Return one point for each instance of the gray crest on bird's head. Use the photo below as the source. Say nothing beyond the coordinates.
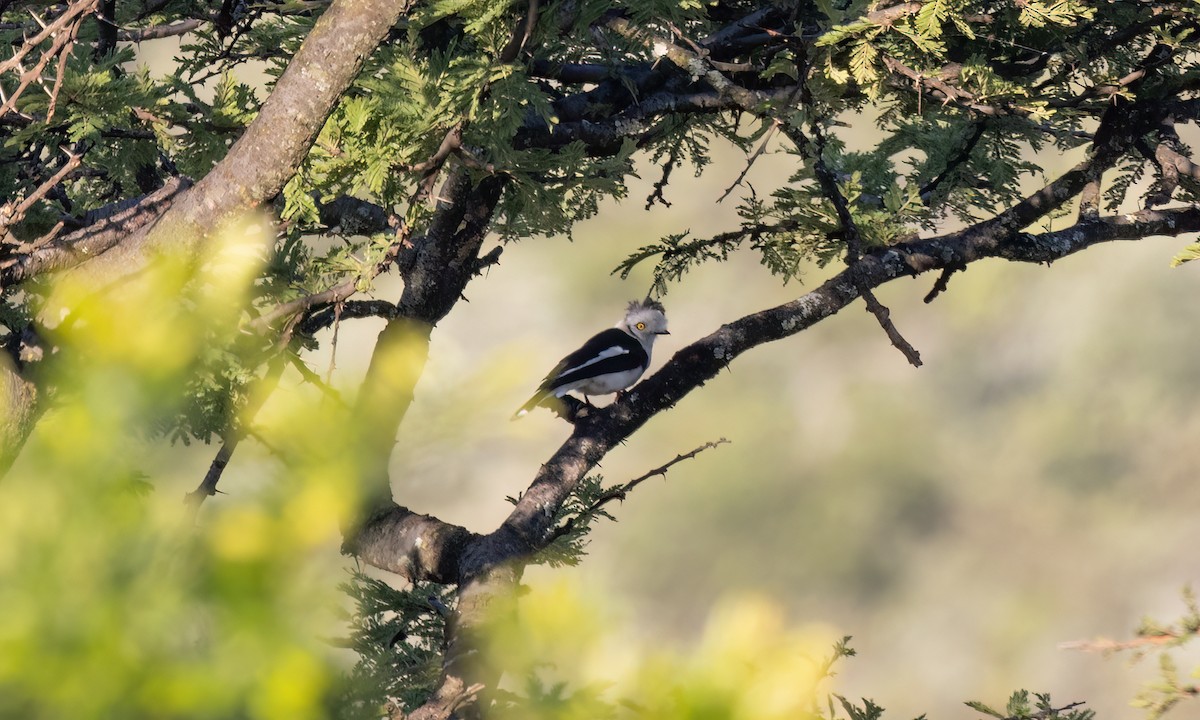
(644, 319)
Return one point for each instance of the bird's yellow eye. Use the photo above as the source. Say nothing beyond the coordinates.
(641, 326)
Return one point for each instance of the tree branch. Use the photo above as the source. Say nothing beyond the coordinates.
(156, 32)
(13, 212)
(436, 271)
(451, 696)
(273, 145)
(1107, 646)
(320, 318)
(105, 232)
(414, 546)
(235, 434)
(620, 492)
(815, 152)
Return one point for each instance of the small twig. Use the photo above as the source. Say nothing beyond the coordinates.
(155, 32)
(762, 146)
(433, 166)
(1107, 646)
(311, 377)
(14, 216)
(69, 21)
(1047, 713)
(883, 315)
(950, 93)
(960, 158)
(60, 70)
(943, 281)
(815, 150)
(333, 343)
(335, 294)
(691, 62)
(657, 194)
(620, 492)
(75, 11)
(208, 486)
(521, 35)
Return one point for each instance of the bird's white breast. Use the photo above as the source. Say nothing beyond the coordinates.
(603, 384)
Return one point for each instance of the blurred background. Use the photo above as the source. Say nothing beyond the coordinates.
(1033, 483)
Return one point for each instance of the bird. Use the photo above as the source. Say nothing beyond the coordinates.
(610, 361)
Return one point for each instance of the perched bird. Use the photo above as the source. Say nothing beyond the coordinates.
(609, 362)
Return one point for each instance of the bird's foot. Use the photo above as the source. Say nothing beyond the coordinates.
(568, 408)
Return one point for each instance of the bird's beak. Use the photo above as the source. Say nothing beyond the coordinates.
(663, 332)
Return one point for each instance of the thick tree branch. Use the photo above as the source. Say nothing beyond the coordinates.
(436, 271)
(414, 546)
(253, 172)
(272, 147)
(452, 696)
(323, 317)
(105, 232)
(23, 404)
(355, 216)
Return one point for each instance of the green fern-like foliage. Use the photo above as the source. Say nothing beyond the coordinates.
(398, 636)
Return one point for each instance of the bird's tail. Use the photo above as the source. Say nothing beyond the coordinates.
(530, 404)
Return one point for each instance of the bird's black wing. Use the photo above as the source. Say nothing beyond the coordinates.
(611, 351)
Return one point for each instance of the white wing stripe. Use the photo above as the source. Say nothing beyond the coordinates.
(605, 354)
